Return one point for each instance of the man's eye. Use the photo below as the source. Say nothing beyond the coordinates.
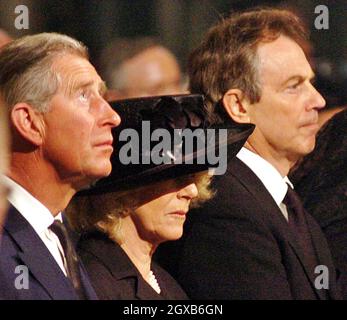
(294, 86)
(84, 96)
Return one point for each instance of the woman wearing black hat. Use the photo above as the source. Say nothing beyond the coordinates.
(125, 216)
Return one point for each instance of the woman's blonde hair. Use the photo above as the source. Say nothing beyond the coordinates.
(105, 211)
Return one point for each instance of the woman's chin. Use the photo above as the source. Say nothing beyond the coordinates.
(173, 235)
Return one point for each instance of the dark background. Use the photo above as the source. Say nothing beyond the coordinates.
(179, 24)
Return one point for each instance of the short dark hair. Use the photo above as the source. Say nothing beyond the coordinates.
(227, 57)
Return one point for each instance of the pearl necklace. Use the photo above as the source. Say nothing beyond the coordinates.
(153, 282)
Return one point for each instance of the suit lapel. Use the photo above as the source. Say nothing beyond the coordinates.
(117, 262)
(89, 290)
(272, 213)
(322, 250)
(35, 255)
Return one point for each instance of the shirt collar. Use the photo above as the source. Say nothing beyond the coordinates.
(39, 217)
(275, 184)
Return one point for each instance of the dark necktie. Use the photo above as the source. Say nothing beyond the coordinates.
(72, 261)
(298, 226)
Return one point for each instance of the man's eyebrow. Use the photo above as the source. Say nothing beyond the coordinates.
(299, 78)
(84, 84)
(294, 78)
(77, 85)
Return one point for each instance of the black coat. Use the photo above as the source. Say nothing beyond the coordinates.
(321, 181)
(238, 246)
(21, 246)
(115, 277)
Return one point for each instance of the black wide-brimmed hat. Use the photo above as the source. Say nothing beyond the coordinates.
(165, 137)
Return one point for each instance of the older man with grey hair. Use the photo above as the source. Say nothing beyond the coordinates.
(61, 142)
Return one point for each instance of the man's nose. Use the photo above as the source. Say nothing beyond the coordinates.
(318, 102)
(111, 117)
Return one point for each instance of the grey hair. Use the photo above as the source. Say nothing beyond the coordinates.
(26, 73)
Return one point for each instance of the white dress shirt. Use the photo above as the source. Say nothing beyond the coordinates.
(274, 183)
(39, 217)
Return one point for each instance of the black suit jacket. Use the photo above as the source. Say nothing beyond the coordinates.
(321, 181)
(21, 246)
(238, 246)
(115, 277)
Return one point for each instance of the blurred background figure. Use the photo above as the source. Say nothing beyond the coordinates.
(3, 160)
(4, 37)
(321, 181)
(139, 67)
(331, 81)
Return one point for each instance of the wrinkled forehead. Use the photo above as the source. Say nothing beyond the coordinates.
(75, 71)
(281, 59)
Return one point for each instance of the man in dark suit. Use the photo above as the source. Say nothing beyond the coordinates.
(254, 240)
(61, 142)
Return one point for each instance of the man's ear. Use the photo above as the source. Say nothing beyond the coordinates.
(28, 123)
(236, 105)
